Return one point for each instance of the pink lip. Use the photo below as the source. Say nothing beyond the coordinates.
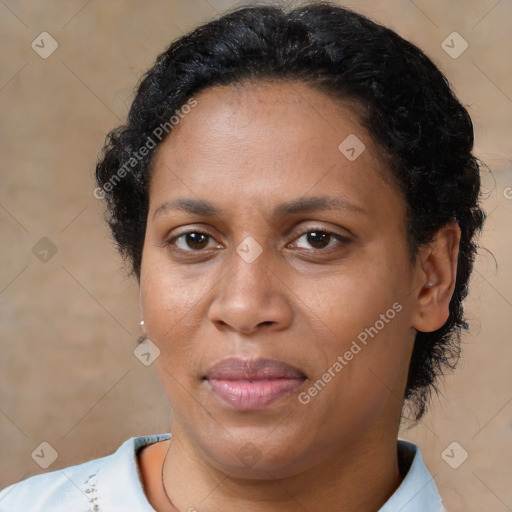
(253, 384)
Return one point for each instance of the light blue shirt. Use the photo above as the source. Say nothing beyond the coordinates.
(112, 484)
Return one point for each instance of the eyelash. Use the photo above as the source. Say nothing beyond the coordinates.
(341, 239)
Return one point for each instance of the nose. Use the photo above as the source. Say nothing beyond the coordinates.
(251, 297)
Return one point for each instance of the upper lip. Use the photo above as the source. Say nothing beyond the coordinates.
(236, 368)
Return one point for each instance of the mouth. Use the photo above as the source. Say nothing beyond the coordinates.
(253, 384)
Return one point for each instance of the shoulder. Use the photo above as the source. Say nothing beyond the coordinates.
(64, 489)
(80, 487)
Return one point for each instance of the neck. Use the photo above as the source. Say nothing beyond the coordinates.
(360, 477)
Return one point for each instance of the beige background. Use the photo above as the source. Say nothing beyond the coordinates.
(69, 325)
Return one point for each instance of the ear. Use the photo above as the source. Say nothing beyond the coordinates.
(435, 282)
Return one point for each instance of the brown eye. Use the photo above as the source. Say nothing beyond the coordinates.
(319, 239)
(191, 241)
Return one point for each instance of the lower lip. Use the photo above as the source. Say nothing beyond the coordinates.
(246, 395)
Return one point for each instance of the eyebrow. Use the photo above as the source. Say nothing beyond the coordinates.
(295, 206)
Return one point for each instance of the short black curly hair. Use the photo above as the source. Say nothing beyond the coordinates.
(404, 100)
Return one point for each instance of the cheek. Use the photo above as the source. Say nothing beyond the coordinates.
(366, 327)
(362, 312)
(354, 296)
(173, 308)
(173, 304)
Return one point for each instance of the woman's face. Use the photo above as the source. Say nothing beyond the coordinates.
(260, 173)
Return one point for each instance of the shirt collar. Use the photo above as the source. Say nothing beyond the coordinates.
(418, 491)
(118, 482)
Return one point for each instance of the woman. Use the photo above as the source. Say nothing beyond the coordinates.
(296, 194)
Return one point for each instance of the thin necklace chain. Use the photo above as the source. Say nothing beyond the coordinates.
(174, 508)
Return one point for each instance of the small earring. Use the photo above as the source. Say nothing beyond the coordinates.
(429, 284)
(142, 338)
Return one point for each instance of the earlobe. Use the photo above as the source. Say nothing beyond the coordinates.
(437, 272)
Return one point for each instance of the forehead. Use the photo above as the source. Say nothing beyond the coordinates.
(261, 140)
